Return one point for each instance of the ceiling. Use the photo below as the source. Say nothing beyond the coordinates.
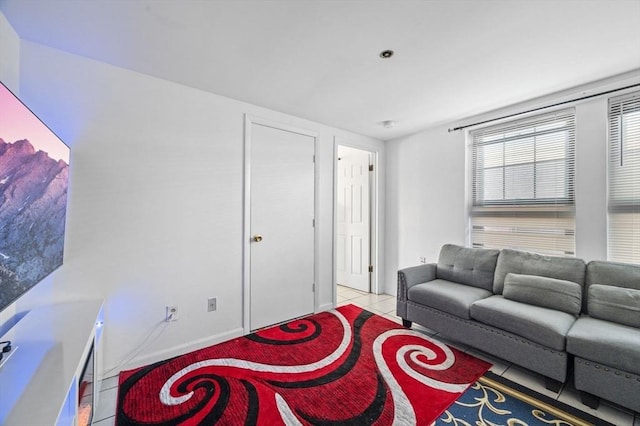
(320, 59)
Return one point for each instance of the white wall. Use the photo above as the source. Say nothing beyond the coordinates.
(591, 179)
(425, 198)
(427, 182)
(9, 75)
(9, 55)
(156, 202)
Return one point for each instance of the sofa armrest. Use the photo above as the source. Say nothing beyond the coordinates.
(409, 277)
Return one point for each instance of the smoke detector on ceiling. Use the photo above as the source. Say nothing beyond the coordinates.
(386, 54)
(388, 124)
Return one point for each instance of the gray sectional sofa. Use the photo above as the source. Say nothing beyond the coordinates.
(605, 341)
(544, 313)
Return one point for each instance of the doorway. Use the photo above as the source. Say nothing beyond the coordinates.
(354, 218)
(279, 223)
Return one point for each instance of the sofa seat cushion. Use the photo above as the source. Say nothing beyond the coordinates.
(452, 298)
(605, 342)
(545, 326)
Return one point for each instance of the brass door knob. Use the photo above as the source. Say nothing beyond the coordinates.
(257, 238)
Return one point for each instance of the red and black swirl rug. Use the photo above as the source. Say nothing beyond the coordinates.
(347, 366)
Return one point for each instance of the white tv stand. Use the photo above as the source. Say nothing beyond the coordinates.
(39, 379)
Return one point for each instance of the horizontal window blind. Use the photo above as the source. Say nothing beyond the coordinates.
(522, 185)
(624, 179)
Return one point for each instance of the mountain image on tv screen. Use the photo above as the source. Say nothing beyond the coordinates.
(34, 171)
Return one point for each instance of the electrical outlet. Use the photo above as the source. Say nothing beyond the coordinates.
(211, 304)
(172, 313)
(423, 260)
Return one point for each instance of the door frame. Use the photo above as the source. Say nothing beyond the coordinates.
(374, 211)
(250, 120)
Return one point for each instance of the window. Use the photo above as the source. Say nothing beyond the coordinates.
(624, 179)
(522, 186)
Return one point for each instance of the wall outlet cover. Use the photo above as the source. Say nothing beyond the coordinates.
(212, 304)
(171, 313)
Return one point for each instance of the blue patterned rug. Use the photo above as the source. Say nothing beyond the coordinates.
(494, 400)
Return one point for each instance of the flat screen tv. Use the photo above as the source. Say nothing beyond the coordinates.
(34, 171)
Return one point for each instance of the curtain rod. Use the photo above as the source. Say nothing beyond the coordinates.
(455, 129)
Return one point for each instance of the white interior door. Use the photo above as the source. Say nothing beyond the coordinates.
(281, 225)
(353, 218)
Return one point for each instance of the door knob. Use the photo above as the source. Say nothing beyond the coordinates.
(257, 238)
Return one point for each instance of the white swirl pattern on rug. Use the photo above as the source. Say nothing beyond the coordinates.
(168, 399)
(286, 414)
(403, 412)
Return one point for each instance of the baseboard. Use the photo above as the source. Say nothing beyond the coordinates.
(326, 307)
(182, 349)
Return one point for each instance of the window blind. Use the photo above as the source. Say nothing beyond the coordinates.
(624, 179)
(522, 184)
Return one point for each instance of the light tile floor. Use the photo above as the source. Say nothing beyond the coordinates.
(384, 304)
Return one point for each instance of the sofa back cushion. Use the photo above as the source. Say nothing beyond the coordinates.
(611, 273)
(616, 304)
(470, 266)
(560, 295)
(521, 262)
